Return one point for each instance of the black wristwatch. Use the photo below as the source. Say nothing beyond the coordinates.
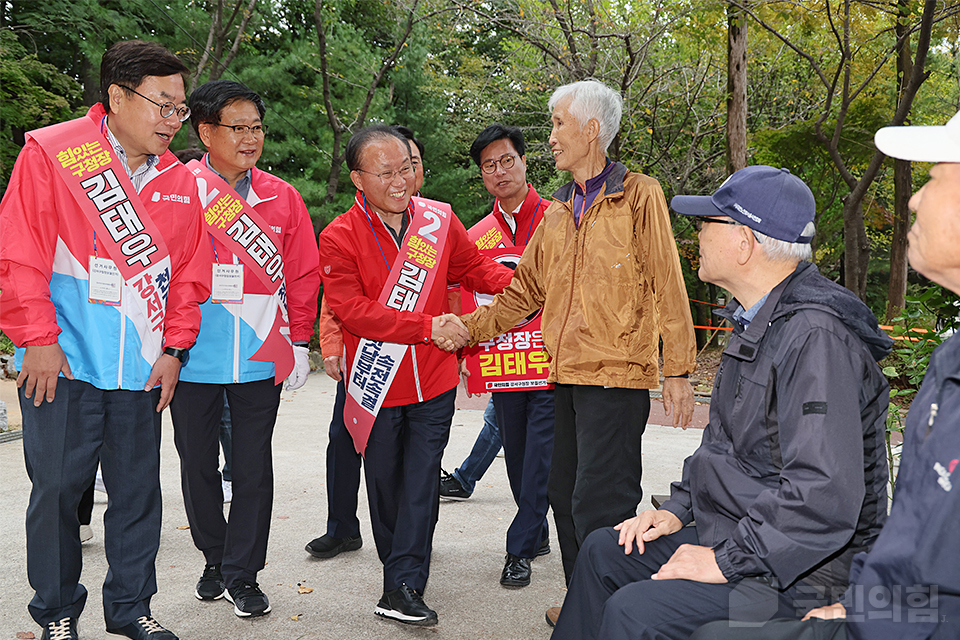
(180, 354)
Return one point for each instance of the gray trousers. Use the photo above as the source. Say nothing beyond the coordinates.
(62, 441)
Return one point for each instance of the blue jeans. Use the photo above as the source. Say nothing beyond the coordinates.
(485, 449)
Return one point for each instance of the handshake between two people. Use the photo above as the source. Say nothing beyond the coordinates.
(449, 333)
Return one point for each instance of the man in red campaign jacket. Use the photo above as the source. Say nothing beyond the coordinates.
(391, 309)
(102, 271)
(523, 419)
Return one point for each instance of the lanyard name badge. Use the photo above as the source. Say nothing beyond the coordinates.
(105, 282)
(227, 284)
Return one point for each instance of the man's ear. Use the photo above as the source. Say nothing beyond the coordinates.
(592, 129)
(115, 96)
(355, 178)
(204, 130)
(747, 246)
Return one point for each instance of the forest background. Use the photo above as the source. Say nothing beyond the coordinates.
(708, 87)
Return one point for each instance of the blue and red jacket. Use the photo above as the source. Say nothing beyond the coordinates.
(44, 257)
(231, 333)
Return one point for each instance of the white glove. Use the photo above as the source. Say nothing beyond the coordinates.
(301, 368)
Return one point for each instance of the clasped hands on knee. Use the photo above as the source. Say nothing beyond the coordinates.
(449, 333)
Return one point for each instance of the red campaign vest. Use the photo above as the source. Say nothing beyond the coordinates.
(413, 275)
(123, 228)
(515, 360)
(231, 220)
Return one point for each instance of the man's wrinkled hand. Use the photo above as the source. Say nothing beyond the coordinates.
(646, 527)
(331, 365)
(678, 400)
(691, 562)
(449, 333)
(39, 371)
(166, 373)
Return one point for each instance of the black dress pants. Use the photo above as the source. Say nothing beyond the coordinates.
(402, 467)
(612, 596)
(525, 419)
(595, 472)
(239, 544)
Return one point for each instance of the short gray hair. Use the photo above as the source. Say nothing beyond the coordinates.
(781, 251)
(592, 99)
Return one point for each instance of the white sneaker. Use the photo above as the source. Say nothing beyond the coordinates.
(86, 533)
(227, 490)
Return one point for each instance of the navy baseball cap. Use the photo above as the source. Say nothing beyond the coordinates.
(772, 201)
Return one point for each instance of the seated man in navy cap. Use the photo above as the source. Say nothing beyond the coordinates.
(908, 586)
(790, 480)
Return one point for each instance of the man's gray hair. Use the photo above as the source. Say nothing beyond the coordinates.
(781, 251)
(592, 99)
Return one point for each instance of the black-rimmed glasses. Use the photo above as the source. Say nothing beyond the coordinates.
(701, 220)
(167, 109)
(506, 161)
(386, 177)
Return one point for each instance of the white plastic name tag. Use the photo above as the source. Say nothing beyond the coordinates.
(227, 283)
(105, 282)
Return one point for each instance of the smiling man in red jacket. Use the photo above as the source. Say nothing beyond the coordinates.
(379, 263)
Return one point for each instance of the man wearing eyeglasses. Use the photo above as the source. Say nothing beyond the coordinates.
(385, 264)
(102, 270)
(790, 480)
(254, 334)
(524, 419)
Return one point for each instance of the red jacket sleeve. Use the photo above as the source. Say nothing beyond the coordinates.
(29, 226)
(191, 256)
(301, 264)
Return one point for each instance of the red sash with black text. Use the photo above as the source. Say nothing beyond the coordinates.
(98, 181)
(236, 225)
(412, 277)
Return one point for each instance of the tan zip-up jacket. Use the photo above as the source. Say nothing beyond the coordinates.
(609, 289)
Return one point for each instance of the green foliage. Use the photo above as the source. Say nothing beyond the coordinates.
(6, 344)
(918, 332)
(33, 94)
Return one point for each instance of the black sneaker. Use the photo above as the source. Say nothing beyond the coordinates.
(450, 487)
(407, 606)
(326, 546)
(247, 599)
(63, 629)
(211, 585)
(144, 628)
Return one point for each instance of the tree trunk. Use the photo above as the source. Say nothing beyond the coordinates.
(736, 88)
(897, 288)
(856, 247)
(90, 77)
(902, 182)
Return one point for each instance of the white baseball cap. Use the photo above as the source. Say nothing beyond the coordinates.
(922, 143)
